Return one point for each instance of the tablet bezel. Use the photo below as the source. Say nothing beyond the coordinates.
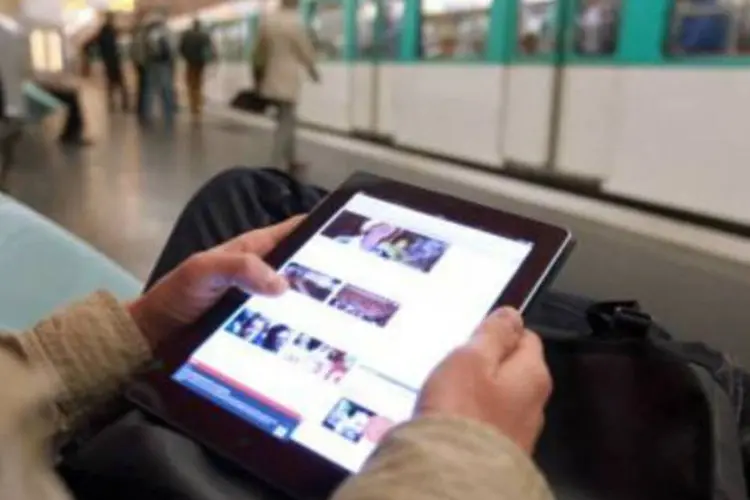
(286, 465)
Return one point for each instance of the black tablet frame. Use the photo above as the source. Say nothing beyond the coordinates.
(286, 465)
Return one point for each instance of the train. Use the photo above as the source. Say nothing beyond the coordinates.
(638, 100)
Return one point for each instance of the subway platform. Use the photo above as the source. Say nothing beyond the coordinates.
(124, 193)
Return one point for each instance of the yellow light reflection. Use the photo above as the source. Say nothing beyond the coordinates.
(38, 50)
(54, 52)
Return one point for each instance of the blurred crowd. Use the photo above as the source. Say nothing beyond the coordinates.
(153, 52)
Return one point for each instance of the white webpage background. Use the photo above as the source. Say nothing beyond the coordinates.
(438, 311)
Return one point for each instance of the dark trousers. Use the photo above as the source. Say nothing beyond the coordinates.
(141, 91)
(73, 128)
(116, 85)
(232, 203)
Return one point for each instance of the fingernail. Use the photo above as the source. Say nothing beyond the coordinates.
(507, 312)
(275, 283)
(512, 315)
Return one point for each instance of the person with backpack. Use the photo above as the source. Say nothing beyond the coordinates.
(160, 65)
(69, 367)
(198, 51)
(138, 55)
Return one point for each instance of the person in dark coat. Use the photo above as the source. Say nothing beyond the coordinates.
(198, 51)
(109, 51)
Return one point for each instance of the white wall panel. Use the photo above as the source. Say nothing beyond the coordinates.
(529, 108)
(590, 120)
(364, 113)
(328, 103)
(685, 141)
(388, 78)
(373, 97)
(450, 109)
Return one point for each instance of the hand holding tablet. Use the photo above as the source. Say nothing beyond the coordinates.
(384, 280)
(504, 365)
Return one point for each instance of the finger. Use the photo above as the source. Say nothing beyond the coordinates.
(498, 335)
(527, 363)
(262, 241)
(246, 271)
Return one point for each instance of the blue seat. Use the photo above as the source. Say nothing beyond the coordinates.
(43, 267)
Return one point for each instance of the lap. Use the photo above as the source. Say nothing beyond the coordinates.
(235, 201)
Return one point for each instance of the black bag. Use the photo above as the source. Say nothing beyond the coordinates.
(634, 415)
(250, 101)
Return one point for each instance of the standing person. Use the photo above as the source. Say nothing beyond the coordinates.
(197, 50)
(109, 50)
(138, 54)
(282, 48)
(160, 59)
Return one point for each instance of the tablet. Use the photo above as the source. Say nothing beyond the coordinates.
(385, 280)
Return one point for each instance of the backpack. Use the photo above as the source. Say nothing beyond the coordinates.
(158, 47)
(635, 414)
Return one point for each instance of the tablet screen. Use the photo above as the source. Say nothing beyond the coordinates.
(377, 299)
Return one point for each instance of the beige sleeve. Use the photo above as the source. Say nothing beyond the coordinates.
(86, 351)
(443, 458)
(305, 49)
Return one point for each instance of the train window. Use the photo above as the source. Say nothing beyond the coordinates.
(536, 26)
(327, 26)
(379, 27)
(597, 26)
(452, 31)
(709, 27)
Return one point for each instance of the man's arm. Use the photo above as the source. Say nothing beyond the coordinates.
(306, 52)
(86, 351)
(444, 458)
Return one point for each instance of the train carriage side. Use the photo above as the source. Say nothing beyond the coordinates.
(331, 26)
(652, 101)
(683, 98)
(645, 99)
(445, 95)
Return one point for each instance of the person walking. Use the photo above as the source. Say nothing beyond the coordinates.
(282, 48)
(198, 50)
(160, 59)
(109, 50)
(138, 54)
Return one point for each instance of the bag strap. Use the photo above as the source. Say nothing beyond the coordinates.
(619, 320)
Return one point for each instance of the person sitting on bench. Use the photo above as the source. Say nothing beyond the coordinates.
(66, 90)
(474, 444)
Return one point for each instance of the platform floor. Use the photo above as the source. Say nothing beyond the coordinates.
(124, 193)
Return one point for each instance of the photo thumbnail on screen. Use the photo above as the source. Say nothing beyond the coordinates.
(367, 306)
(318, 358)
(386, 240)
(247, 324)
(259, 330)
(314, 284)
(314, 356)
(354, 422)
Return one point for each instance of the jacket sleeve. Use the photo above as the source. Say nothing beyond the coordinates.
(86, 351)
(443, 458)
(305, 49)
